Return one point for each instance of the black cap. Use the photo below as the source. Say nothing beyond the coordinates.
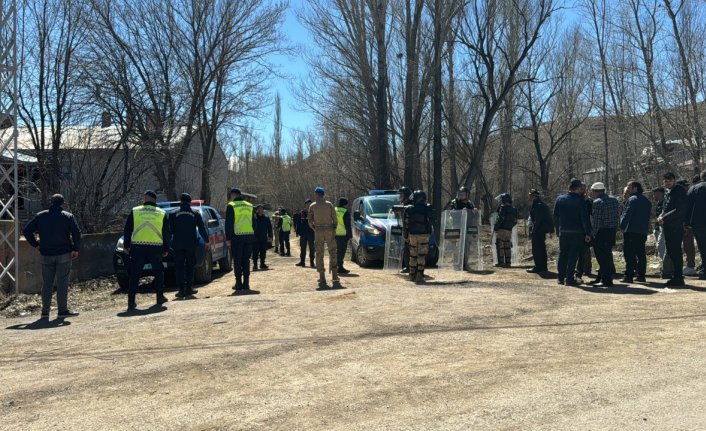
(342, 202)
(57, 199)
(669, 176)
(185, 197)
(235, 191)
(575, 183)
(658, 190)
(151, 194)
(534, 192)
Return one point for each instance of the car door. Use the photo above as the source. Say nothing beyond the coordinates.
(215, 230)
(356, 225)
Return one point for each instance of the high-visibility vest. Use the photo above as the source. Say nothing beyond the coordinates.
(341, 227)
(147, 221)
(242, 217)
(286, 223)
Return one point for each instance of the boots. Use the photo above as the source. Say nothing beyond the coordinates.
(301, 263)
(334, 275)
(131, 304)
(412, 274)
(254, 266)
(246, 282)
(322, 280)
(238, 282)
(312, 264)
(263, 266)
(189, 290)
(342, 270)
(420, 277)
(161, 299)
(181, 293)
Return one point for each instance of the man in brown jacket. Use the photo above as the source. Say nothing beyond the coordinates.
(323, 220)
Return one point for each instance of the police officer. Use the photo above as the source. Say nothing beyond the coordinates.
(147, 237)
(541, 225)
(405, 200)
(343, 232)
(506, 221)
(240, 236)
(285, 229)
(306, 236)
(263, 234)
(416, 229)
(186, 226)
(672, 222)
(323, 220)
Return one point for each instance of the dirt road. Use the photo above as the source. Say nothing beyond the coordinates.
(466, 351)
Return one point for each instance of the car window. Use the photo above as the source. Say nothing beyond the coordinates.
(213, 215)
(379, 207)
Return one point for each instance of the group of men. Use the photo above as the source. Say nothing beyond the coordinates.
(582, 223)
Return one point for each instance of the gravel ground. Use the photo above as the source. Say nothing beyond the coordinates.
(502, 350)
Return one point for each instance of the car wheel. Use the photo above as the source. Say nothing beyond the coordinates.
(225, 264)
(123, 282)
(362, 260)
(204, 272)
(354, 255)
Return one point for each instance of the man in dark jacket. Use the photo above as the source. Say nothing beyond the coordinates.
(635, 223)
(306, 236)
(574, 229)
(541, 218)
(343, 233)
(146, 240)
(696, 218)
(187, 226)
(507, 219)
(672, 222)
(59, 242)
(263, 234)
(416, 228)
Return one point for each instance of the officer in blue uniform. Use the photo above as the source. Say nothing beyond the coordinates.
(186, 225)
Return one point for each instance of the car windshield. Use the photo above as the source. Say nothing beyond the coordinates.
(379, 207)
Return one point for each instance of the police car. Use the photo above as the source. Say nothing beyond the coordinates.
(370, 224)
(217, 252)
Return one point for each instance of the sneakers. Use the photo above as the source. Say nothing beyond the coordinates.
(690, 271)
(404, 271)
(68, 313)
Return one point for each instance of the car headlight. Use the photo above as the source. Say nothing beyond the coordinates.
(372, 230)
(120, 247)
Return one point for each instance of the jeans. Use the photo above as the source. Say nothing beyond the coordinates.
(304, 242)
(673, 237)
(539, 251)
(603, 247)
(139, 256)
(341, 247)
(56, 268)
(635, 256)
(570, 245)
(184, 262)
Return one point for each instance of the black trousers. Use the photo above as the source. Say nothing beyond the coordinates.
(673, 237)
(139, 256)
(539, 251)
(304, 242)
(284, 243)
(570, 245)
(341, 247)
(634, 252)
(184, 263)
(259, 251)
(700, 235)
(584, 263)
(603, 247)
(241, 251)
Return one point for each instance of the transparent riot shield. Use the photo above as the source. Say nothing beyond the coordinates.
(515, 254)
(452, 240)
(474, 245)
(394, 243)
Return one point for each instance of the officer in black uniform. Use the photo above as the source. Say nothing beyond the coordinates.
(186, 225)
(542, 224)
(306, 236)
(405, 200)
(263, 233)
(462, 200)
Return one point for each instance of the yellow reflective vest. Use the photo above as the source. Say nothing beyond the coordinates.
(148, 222)
(286, 223)
(242, 218)
(341, 227)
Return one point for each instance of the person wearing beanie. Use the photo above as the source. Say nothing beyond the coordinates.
(574, 229)
(184, 224)
(324, 221)
(59, 243)
(146, 240)
(343, 232)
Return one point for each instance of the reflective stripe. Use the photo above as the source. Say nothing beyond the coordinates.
(242, 218)
(341, 227)
(148, 222)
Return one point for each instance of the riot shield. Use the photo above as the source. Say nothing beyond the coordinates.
(473, 255)
(394, 242)
(515, 254)
(452, 239)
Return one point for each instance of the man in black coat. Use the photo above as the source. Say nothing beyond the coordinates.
(696, 218)
(542, 224)
(306, 236)
(59, 242)
(263, 233)
(672, 222)
(186, 225)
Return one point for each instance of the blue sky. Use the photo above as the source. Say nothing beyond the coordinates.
(293, 69)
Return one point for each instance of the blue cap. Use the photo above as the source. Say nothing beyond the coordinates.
(151, 194)
(185, 197)
(235, 191)
(319, 190)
